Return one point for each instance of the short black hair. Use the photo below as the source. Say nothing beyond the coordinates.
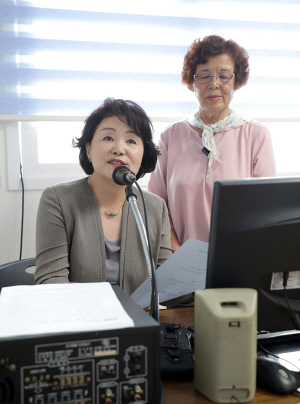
(135, 117)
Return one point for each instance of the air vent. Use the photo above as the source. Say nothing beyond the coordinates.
(295, 219)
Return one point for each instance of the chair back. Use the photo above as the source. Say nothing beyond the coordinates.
(14, 273)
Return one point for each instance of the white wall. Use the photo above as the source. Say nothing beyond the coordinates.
(10, 214)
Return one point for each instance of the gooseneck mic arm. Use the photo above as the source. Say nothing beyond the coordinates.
(123, 176)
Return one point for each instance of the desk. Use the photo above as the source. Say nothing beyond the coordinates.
(183, 392)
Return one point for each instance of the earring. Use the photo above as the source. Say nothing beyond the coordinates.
(89, 159)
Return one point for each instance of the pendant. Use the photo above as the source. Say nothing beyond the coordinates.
(113, 214)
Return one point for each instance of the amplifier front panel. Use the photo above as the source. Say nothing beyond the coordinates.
(109, 367)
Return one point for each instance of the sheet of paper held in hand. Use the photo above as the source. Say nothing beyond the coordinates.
(68, 307)
(184, 272)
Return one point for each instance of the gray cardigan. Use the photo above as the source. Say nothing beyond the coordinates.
(70, 241)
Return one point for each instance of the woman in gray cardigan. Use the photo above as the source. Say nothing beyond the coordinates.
(86, 231)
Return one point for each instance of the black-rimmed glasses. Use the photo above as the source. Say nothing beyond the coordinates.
(222, 78)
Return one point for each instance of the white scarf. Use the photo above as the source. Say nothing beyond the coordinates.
(232, 120)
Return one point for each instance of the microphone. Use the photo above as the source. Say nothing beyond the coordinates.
(206, 151)
(123, 176)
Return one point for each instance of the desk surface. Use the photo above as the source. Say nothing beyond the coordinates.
(183, 392)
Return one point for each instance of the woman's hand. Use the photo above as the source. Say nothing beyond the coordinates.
(174, 241)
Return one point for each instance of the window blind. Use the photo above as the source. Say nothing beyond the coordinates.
(61, 58)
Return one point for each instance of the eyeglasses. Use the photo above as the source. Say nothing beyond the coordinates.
(222, 78)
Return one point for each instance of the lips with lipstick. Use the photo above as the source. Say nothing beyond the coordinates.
(116, 162)
(214, 97)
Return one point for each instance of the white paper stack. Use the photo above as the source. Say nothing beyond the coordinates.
(56, 308)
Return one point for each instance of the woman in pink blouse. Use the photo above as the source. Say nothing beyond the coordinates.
(213, 143)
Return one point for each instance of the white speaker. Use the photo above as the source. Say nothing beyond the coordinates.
(225, 344)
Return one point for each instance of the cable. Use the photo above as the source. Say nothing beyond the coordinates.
(146, 226)
(294, 317)
(266, 352)
(22, 184)
(154, 289)
(235, 398)
(22, 215)
(284, 283)
(162, 392)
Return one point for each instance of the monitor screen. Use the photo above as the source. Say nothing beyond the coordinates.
(254, 238)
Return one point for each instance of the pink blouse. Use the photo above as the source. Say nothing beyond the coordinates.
(180, 175)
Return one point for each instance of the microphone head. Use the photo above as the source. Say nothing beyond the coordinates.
(123, 176)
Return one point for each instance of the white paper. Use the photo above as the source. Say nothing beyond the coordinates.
(68, 307)
(184, 272)
(293, 281)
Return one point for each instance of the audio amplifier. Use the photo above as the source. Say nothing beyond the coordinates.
(119, 366)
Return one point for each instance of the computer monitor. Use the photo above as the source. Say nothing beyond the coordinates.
(255, 232)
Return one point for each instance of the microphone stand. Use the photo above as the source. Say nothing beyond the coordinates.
(171, 348)
(131, 198)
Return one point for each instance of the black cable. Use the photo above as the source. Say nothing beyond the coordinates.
(154, 289)
(235, 398)
(146, 225)
(22, 215)
(266, 352)
(287, 300)
(284, 283)
(294, 317)
(162, 392)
